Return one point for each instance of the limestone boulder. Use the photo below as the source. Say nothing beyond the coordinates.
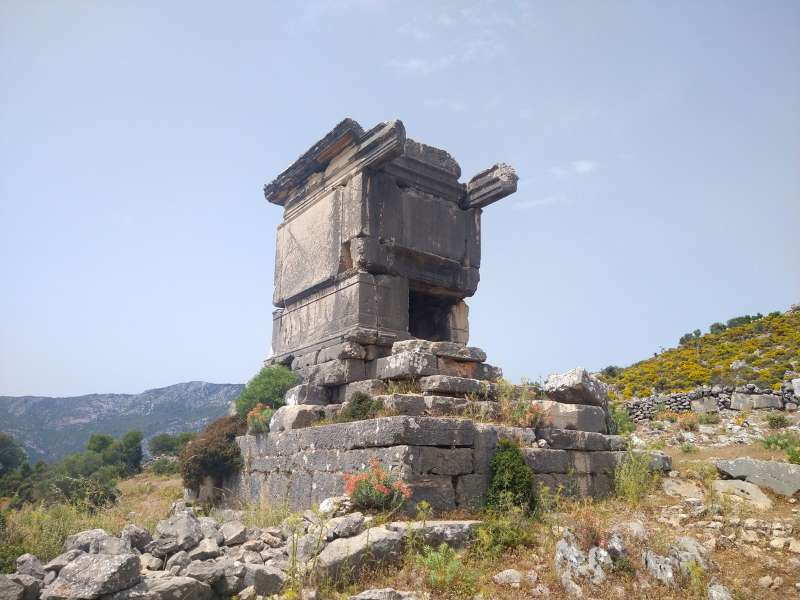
(743, 490)
(10, 590)
(782, 478)
(28, 564)
(580, 417)
(682, 489)
(348, 556)
(296, 417)
(83, 540)
(136, 537)
(386, 594)
(576, 386)
(307, 393)
(31, 586)
(455, 534)
(233, 532)
(741, 401)
(184, 528)
(60, 561)
(162, 586)
(93, 575)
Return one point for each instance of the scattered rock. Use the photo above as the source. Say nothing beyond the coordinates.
(233, 533)
(184, 528)
(136, 537)
(682, 488)
(659, 567)
(28, 564)
(385, 594)
(93, 575)
(718, 592)
(748, 492)
(10, 590)
(377, 545)
(165, 587)
(509, 577)
(782, 478)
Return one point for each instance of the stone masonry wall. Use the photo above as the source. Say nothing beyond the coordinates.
(718, 397)
(445, 461)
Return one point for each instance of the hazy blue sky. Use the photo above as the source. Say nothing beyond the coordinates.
(658, 146)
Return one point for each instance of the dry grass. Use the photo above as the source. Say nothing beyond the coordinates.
(144, 500)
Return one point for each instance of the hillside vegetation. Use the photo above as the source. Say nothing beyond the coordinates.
(760, 350)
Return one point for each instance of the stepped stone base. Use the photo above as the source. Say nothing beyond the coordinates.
(445, 460)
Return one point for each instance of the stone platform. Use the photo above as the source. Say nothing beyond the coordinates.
(444, 460)
(444, 411)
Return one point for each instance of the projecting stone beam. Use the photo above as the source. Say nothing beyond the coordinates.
(345, 150)
(490, 186)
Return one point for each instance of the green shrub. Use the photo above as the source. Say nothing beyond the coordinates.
(777, 420)
(781, 441)
(267, 387)
(633, 478)
(502, 530)
(258, 419)
(165, 465)
(375, 488)
(214, 453)
(689, 448)
(512, 480)
(443, 571)
(170, 444)
(359, 407)
(622, 419)
(793, 455)
(709, 418)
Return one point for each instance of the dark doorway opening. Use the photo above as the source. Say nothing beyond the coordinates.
(429, 316)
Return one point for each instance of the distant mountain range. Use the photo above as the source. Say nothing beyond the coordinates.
(50, 428)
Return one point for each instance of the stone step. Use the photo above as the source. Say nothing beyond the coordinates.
(450, 350)
(438, 406)
(447, 385)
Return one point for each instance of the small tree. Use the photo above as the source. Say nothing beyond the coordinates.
(214, 453)
(12, 454)
(162, 443)
(512, 480)
(267, 388)
(131, 446)
(98, 442)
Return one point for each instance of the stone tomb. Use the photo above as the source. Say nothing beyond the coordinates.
(378, 248)
(379, 242)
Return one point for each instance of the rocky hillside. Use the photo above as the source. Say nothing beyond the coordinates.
(758, 350)
(50, 428)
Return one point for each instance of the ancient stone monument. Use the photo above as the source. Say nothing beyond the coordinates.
(379, 243)
(378, 248)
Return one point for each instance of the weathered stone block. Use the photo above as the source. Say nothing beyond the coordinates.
(574, 416)
(456, 386)
(438, 491)
(546, 461)
(576, 386)
(442, 461)
(456, 534)
(371, 387)
(342, 351)
(404, 404)
(594, 462)
(781, 478)
(471, 491)
(296, 417)
(570, 439)
(741, 401)
(705, 405)
(334, 372)
(307, 393)
(347, 557)
(406, 365)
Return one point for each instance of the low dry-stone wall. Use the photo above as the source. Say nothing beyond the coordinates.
(718, 397)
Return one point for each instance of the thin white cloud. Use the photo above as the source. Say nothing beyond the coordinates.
(422, 66)
(535, 203)
(576, 167)
(583, 167)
